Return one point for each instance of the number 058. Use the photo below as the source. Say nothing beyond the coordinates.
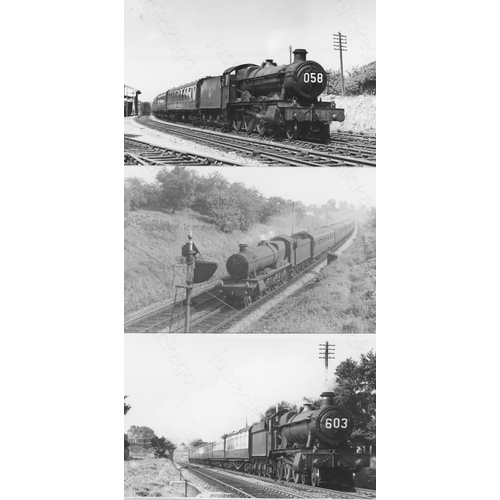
(313, 77)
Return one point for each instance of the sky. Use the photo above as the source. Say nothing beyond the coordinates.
(172, 42)
(311, 186)
(203, 386)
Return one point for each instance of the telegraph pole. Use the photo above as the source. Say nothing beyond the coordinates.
(326, 352)
(340, 44)
(290, 54)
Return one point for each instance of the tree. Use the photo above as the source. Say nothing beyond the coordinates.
(314, 402)
(162, 447)
(300, 210)
(229, 206)
(143, 432)
(272, 409)
(127, 407)
(273, 206)
(136, 191)
(177, 187)
(197, 442)
(355, 389)
(206, 188)
(333, 204)
(358, 80)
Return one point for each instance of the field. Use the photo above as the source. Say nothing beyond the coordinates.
(149, 278)
(341, 300)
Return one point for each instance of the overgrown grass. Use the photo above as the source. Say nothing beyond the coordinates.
(360, 114)
(146, 476)
(341, 300)
(161, 235)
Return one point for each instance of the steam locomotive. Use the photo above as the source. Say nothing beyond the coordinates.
(309, 446)
(256, 271)
(279, 99)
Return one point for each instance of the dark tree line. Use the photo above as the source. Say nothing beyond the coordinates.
(357, 81)
(162, 447)
(229, 206)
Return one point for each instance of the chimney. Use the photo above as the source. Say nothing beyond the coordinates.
(327, 398)
(299, 55)
(243, 247)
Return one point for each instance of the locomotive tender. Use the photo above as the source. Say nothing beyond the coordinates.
(256, 271)
(309, 446)
(278, 99)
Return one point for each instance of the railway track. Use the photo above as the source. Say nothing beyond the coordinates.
(251, 486)
(141, 153)
(203, 320)
(209, 314)
(162, 317)
(271, 152)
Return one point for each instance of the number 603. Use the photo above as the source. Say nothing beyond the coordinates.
(336, 423)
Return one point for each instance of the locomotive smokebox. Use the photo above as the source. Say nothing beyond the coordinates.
(330, 424)
(299, 55)
(327, 398)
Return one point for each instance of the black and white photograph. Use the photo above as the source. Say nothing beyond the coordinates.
(250, 250)
(263, 259)
(230, 416)
(266, 83)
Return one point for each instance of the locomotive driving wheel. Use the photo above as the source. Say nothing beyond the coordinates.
(315, 476)
(296, 477)
(292, 130)
(288, 472)
(249, 123)
(237, 122)
(280, 471)
(304, 478)
(261, 128)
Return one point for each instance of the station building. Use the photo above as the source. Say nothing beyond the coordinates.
(131, 101)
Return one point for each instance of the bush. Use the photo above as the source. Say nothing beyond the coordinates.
(161, 446)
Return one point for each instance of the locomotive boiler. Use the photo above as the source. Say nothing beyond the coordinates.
(255, 271)
(248, 262)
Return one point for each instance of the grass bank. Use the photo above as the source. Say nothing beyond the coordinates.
(153, 241)
(341, 300)
(360, 114)
(146, 476)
